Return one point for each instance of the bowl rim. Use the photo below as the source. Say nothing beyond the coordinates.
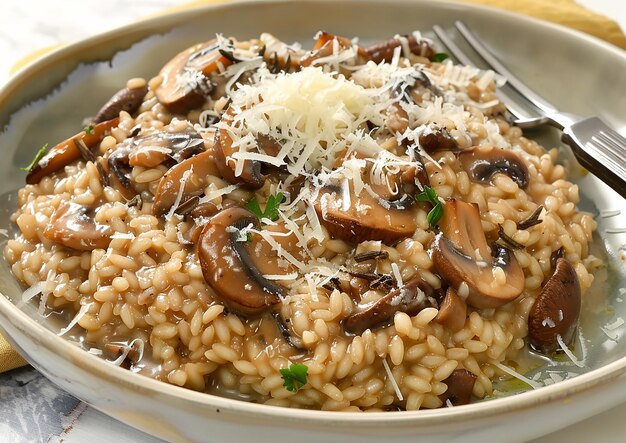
(99, 367)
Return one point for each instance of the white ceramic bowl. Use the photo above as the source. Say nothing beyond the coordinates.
(47, 100)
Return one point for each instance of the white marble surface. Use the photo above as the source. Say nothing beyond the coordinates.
(31, 408)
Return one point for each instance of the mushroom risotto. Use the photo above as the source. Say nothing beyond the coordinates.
(346, 228)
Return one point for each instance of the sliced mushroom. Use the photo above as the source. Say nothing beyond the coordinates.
(384, 51)
(324, 46)
(556, 310)
(482, 162)
(251, 175)
(73, 225)
(185, 82)
(67, 152)
(438, 140)
(366, 217)
(414, 296)
(408, 89)
(118, 164)
(461, 256)
(234, 268)
(152, 150)
(452, 311)
(201, 166)
(460, 386)
(127, 99)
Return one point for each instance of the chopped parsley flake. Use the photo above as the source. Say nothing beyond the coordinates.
(435, 214)
(294, 377)
(271, 207)
(42, 151)
(89, 129)
(440, 56)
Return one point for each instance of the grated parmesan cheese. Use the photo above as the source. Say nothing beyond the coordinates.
(392, 380)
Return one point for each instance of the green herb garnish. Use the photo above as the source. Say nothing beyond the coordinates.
(89, 129)
(440, 56)
(271, 207)
(42, 151)
(435, 214)
(294, 376)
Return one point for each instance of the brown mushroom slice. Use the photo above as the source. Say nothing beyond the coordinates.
(201, 166)
(414, 296)
(152, 150)
(324, 46)
(127, 99)
(556, 310)
(118, 164)
(460, 386)
(380, 52)
(73, 225)
(230, 266)
(460, 255)
(452, 311)
(67, 152)
(482, 162)
(185, 83)
(437, 140)
(251, 175)
(461, 224)
(367, 217)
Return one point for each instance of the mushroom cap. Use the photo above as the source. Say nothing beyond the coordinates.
(185, 83)
(438, 140)
(73, 225)
(492, 279)
(250, 176)
(232, 267)
(127, 99)
(482, 162)
(556, 309)
(66, 152)
(365, 219)
(153, 149)
(384, 51)
(460, 386)
(411, 298)
(201, 166)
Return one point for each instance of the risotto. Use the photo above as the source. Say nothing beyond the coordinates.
(348, 228)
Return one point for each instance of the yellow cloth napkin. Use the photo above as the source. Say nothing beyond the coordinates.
(564, 12)
(9, 358)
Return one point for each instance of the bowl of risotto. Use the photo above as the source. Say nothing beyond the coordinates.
(264, 219)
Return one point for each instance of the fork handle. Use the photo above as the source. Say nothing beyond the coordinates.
(600, 149)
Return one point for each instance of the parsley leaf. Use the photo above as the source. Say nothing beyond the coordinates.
(430, 195)
(89, 129)
(42, 151)
(253, 206)
(440, 56)
(294, 377)
(271, 207)
(435, 215)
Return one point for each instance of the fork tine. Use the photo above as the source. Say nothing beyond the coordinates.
(497, 66)
(458, 53)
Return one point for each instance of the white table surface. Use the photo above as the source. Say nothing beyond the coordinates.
(29, 25)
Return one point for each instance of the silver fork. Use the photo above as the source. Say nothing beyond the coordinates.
(596, 146)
